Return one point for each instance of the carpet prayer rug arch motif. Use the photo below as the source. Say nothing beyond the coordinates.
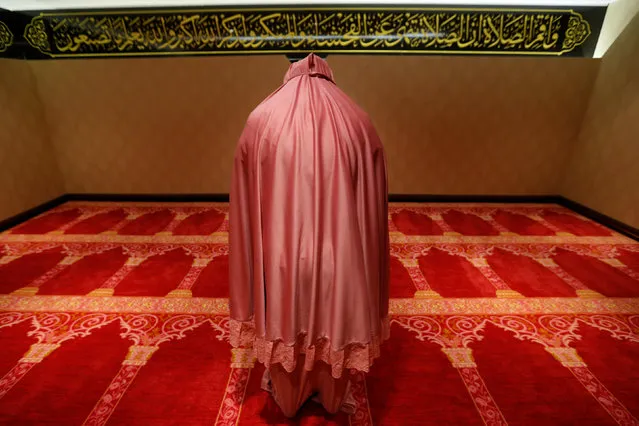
(118, 314)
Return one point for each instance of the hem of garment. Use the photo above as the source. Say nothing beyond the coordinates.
(357, 356)
(349, 404)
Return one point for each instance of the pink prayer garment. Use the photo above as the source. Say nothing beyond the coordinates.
(309, 249)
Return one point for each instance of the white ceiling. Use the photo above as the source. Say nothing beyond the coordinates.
(121, 4)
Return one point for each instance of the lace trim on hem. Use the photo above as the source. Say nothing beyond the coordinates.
(354, 356)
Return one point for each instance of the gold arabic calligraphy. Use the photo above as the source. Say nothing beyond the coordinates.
(264, 30)
(6, 37)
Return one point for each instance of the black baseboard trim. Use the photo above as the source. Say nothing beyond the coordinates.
(614, 224)
(598, 217)
(152, 198)
(31, 213)
(394, 198)
(437, 198)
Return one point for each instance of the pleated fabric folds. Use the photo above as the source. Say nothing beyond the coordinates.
(309, 249)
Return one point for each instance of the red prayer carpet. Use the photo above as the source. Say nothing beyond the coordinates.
(502, 314)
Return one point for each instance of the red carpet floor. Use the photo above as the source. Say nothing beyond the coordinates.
(502, 314)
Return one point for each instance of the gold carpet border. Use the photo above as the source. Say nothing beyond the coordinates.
(222, 238)
(215, 238)
(558, 240)
(475, 306)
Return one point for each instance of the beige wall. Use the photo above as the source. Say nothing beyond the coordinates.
(618, 16)
(451, 125)
(471, 125)
(603, 172)
(28, 171)
(151, 125)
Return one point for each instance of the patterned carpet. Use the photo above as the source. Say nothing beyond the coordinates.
(502, 314)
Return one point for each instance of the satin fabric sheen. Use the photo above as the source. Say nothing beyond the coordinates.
(309, 249)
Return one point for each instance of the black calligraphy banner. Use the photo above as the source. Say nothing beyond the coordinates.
(350, 30)
(6, 37)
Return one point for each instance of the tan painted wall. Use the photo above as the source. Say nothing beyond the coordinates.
(28, 170)
(471, 125)
(151, 125)
(618, 15)
(603, 172)
(450, 125)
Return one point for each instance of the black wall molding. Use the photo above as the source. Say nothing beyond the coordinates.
(601, 218)
(594, 215)
(294, 29)
(16, 220)
(151, 198)
(445, 198)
